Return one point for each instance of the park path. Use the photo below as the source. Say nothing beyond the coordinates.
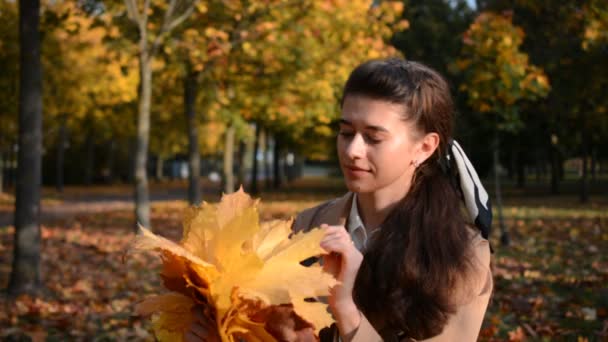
(71, 206)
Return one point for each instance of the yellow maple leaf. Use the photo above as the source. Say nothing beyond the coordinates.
(237, 270)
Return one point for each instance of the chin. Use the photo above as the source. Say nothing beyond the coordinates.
(359, 187)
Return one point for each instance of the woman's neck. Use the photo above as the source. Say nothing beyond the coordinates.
(374, 207)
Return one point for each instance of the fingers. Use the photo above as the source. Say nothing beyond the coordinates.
(338, 244)
(336, 239)
(192, 337)
(333, 229)
(200, 330)
(331, 263)
(281, 323)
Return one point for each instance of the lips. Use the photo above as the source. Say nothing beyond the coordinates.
(355, 171)
(354, 168)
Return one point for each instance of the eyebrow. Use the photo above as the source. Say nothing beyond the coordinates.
(372, 127)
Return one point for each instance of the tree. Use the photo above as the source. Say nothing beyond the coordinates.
(9, 81)
(433, 36)
(302, 84)
(594, 120)
(497, 77)
(206, 45)
(149, 43)
(25, 274)
(83, 102)
(569, 42)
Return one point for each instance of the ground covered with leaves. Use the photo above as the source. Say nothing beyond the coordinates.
(550, 284)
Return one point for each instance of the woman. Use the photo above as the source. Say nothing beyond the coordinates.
(412, 265)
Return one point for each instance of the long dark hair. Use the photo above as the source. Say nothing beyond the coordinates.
(423, 250)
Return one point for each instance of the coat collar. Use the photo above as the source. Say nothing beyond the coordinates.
(337, 212)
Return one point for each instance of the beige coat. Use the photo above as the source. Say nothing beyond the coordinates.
(463, 326)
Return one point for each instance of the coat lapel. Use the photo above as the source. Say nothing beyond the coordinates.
(337, 213)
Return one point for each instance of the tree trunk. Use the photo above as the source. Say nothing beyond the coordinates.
(142, 197)
(229, 160)
(562, 170)
(194, 158)
(504, 234)
(513, 161)
(555, 178)
(584, 181)
(90, 159)
(289, 166)
(12, 165)
(132, 160)
(63, 137)
(277, 163)
(25, 274)
(1, 172)
(521, 171)
(254, 160)
(111, 156)
(593, 165)
(241, 163)
(266, 160)
(538, 167)
(160, 164)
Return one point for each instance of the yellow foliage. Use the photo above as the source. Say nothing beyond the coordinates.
(497, 73)
(82, 72)
(596, 24)
(235, 269)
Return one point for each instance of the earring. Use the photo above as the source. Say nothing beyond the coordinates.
(415, 163)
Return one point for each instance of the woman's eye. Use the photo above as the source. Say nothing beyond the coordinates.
(346, 134)
(372, 140)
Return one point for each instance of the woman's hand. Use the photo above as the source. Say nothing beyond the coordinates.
(343, 262)
(200, 329)
(282, 323)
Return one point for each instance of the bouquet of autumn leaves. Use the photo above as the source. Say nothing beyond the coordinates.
(234, 270)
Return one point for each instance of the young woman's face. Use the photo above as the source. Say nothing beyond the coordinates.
(376, 147)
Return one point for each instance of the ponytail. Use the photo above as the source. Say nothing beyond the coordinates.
(420, 254)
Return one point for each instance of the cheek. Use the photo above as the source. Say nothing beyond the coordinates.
(341, 147)
(391, 157)
(340, 144)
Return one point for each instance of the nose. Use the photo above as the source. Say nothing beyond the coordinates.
(355, 148)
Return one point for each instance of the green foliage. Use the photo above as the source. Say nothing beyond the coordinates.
(596, 25)
(434, 33)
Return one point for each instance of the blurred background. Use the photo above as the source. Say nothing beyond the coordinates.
(116, 112)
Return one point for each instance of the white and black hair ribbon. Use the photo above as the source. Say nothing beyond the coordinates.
(475, 196)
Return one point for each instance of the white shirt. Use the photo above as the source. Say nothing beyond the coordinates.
(359, 235)
(355, 227)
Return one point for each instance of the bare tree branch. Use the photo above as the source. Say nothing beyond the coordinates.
(132, 11)
(169, 24)
(168, 14)
(144, 21)
(179, 20)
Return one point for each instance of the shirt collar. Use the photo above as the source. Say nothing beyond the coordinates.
(355, 226)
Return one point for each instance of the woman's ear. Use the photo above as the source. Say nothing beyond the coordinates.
(428, 145)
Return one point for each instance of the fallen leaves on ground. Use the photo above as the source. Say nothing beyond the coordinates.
(550, 284)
